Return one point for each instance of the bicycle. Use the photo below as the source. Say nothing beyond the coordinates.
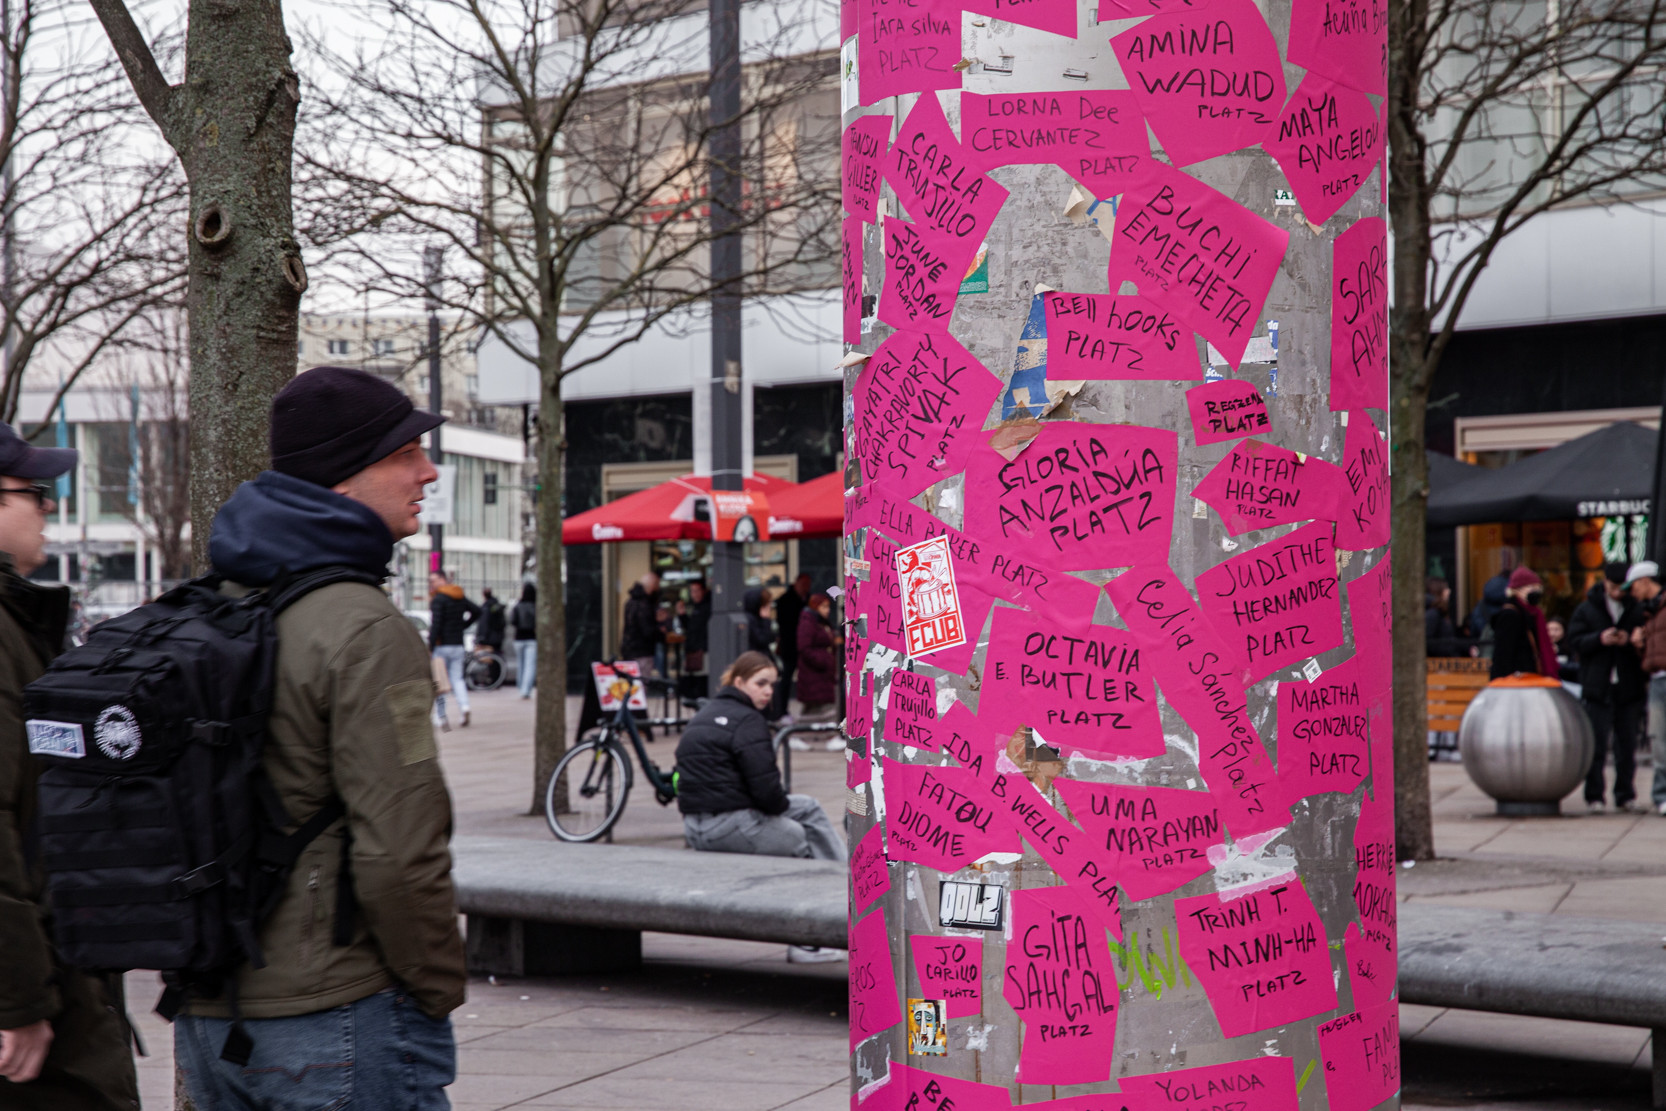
(594, 778)
(484, 670)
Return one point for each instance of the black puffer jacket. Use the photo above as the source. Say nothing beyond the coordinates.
(1609, 672)
(725, 760)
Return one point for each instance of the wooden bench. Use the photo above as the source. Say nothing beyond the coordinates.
(1547, 966)
(1453, 682)
(546, 908)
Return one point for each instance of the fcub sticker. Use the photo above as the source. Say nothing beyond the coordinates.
(56, 738)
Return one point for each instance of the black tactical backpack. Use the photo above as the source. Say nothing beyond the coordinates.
(164, 842)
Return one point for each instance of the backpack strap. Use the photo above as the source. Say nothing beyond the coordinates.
(287, 589)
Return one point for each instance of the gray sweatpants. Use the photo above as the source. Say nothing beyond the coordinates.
(804, 831)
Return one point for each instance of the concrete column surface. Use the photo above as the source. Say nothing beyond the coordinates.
(1117, 555)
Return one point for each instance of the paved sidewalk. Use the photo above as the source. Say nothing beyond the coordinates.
(730, 1026)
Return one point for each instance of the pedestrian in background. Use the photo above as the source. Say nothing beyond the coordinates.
(1649, 638)
(1521, 641)
(1440, 635)
(640, 634)
(63, 1038)
(493, 621)
(788, 608)
(449, 613)
(760, 626)
(817, 645)
(1611, 682)
(524, 619)
(364, 1021)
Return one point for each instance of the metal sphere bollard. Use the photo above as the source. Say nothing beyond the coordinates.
(1526, 742)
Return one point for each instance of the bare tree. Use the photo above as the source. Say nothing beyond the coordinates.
(563, 149)
(155, 368)
(82, 203)
(1497, 113)
(232, 125)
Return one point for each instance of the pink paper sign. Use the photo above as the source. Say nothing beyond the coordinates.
(1060, 981)
(1057, 16)
(1363, 521)
(920, 406)
(909, 1089)
(950, 968)
(1103, 337)
(874, 1004)
(1359, 317)
(1096, 136)
(862, 156)
(1198, 252)
(934, 817)
(851, 245)
(1371, 610)
(881, 602)
(1262, 958)
(870, 876)
(911, 712)
(1362, 1056)
(1327, 142)
(1278, 603)
(1226, 410)
(858, 769)
(1152, 839)
(906, 46)
(1372, 945)
(1061, 844)
(950, 202)
(1082, 496)
(1203, 676)
(1209, 82)
(1088, 692)
(1259, 485)
(1323, 733)
(1258, 1084)
(997, 572)
(1345, 40)
(858, 680)
(922, 280)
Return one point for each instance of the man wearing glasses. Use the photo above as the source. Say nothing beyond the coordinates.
(63, 1034)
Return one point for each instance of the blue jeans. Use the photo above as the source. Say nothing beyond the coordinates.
(378, 1054)
(453, 655)
(526, 666)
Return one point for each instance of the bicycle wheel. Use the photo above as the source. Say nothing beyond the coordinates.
(485, 671)
(586, 792)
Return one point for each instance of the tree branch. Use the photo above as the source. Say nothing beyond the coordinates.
(136, 58)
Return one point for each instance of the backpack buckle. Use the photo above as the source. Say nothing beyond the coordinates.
(198, 880)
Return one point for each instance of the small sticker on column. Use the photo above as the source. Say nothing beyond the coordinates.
(974, 906)
(931, 613)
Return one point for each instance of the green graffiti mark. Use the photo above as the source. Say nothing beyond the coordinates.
(1156, 972)
(1307, 1074)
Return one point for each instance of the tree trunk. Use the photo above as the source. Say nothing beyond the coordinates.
(1410, 370)
(236, 138)
(550, 728)
(233, 126)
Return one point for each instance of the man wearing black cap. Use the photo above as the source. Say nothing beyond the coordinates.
(63, 1038)
(1612, 679)
(365, 1022)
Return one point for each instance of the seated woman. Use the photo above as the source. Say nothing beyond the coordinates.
(729, 789)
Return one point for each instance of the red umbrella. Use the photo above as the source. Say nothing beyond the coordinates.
(663, 512)
(810, 510)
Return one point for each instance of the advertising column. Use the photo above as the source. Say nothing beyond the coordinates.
(1116, 553)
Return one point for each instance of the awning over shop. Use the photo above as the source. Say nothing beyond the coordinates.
(674, 510)
(1606, 473)
(811, 510)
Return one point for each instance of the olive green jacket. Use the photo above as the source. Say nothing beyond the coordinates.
(89, 1065)
(351, 717)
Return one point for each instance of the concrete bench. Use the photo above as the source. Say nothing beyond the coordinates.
(1547, 966)
(546, 908)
